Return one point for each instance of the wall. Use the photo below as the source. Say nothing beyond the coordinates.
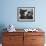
(9, 13)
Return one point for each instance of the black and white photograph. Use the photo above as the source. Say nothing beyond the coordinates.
(26, 14)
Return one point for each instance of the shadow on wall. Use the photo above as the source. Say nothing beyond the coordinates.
(2, 26)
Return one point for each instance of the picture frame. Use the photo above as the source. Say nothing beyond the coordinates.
(26, 14)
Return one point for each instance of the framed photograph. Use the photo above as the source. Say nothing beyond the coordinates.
(26, 14)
